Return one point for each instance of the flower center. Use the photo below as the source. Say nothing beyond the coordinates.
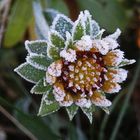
(85, 75)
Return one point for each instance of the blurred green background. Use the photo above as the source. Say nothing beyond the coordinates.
(21, 20)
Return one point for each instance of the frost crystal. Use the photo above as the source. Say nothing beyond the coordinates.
(69, 55)
(55, 69)
(101, 45)
(85, 44)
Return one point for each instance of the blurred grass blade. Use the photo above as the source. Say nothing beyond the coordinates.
(126, 101)
(58, 5)
(106, 117)
(17, 123)
(33, 124)
(20, 17)
(42, 27)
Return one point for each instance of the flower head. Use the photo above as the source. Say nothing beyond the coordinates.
(76, 66)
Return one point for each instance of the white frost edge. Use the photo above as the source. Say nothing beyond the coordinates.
(68, 39)
(16, 70)
(88, 114)
(47, 102)
(34, 64)
(31, 42)
(48, 49)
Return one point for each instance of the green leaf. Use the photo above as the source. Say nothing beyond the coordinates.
(53, 52)
(29, 73)
(38, 61)
(72, 110)
(126, 62)
(110, 15)
(41, 24)
(20, 17)
(56, 39)
(47, 106)
(37, 47)
(50, 14)
(79, 28)
(95, 28)
(88, 112)
(62, 24)
(40, 87)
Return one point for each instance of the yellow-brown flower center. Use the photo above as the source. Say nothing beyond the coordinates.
(85, 75)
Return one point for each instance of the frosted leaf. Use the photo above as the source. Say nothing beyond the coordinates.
(56, 39)
(115, 35)
(99, 35)
(38, 46)
(38, 61)
(29, 72)
(72, 110)
(126, 62)
(40, 21)
(40, 88)
(88, 23)
(95, 28)
(62, 24)
(53, 52)
(47, 106)
(88, 112)
(50, 14)
(79, 28)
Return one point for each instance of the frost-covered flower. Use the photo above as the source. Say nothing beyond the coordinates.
(75, 67)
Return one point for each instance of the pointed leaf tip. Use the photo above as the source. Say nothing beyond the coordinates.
(72, 110)
(29, 73)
